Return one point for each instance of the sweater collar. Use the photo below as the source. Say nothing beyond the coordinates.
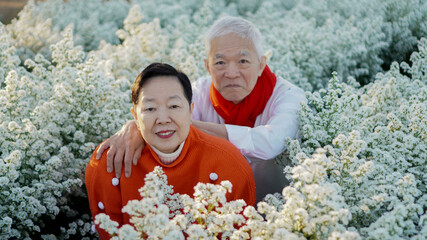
(168, 158)
(186, 145)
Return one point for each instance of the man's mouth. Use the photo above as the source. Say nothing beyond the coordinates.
(232, 86)
(165, 134)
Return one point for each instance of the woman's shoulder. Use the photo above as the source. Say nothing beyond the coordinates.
(94, 169)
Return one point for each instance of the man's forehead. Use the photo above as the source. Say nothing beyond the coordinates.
(244, 53)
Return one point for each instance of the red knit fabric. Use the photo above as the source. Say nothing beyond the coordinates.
(246, 112)
(201, 155)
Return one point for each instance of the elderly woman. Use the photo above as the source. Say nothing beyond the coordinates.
(162, 109)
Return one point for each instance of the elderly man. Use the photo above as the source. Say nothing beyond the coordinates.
(242, 101)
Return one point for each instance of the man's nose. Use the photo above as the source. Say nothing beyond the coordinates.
(232, 71)
(163, 116)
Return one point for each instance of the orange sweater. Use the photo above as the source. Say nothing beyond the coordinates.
(201, 155)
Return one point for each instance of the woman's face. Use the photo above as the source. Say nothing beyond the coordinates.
(163, 114)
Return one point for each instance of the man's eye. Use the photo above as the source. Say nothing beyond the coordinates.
(174, 106)
(244, 61)
(219, 62)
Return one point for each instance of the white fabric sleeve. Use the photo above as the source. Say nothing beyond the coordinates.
(197, 89)
(266, 141)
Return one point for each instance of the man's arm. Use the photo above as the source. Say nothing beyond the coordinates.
(124, 146)
(214, 129)
(268, 140)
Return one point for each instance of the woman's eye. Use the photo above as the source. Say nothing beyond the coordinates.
(219, 62)
(174, 106)
(149, 109)
(244, 61)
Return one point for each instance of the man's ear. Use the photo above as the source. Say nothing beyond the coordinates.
(262, 64)
(207, 65)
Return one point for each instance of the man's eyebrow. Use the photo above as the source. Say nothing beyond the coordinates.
(244, 53)
(218, 55)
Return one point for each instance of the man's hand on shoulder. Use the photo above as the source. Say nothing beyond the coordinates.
(125, 146)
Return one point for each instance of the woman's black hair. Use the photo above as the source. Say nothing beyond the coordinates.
(156, 70)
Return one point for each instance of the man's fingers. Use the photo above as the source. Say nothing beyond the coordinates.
(101, 149)
(137, 154)
(128, 163)
(118, 162)
(110, 157)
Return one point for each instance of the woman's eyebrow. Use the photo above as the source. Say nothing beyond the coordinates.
(147, 99)
(175, 97)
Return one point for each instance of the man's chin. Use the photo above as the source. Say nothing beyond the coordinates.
(234, 99)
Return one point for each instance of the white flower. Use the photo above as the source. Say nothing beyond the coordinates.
(128, 232)
(106, 223)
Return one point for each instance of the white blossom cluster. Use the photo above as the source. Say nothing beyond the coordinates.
(371, 145)
(305, 40)
(358, 171)
(53, 113)
(39, 24)
(161, 214)
(310, 39)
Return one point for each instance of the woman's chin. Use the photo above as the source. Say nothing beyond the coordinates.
(167, 149)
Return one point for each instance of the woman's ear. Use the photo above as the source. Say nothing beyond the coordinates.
(191, 111)
(135, 116)
(132, 110)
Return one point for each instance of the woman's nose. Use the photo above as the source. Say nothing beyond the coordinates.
(163, 116)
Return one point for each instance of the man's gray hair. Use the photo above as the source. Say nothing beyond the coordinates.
(239, 26)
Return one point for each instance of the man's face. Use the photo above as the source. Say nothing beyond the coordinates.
(163, 114)
(234, 66)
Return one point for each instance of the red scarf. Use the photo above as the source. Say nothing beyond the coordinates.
(246, 112)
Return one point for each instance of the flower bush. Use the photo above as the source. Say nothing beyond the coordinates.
(165, 215)
(306, 40)
(371, 144)
(357, 171)
(53, 114)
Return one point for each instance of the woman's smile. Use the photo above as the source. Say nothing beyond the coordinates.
(165, 134)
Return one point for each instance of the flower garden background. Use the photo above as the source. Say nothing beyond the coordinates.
(358, 170)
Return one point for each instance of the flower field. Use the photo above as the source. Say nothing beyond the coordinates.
(357, 171)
